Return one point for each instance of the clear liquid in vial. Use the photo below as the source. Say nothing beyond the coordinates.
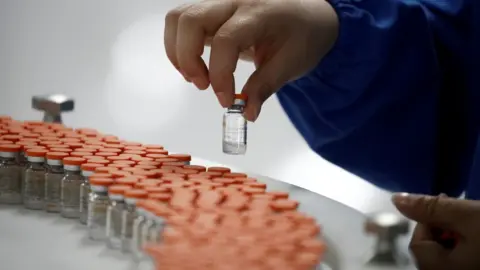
(234, 131)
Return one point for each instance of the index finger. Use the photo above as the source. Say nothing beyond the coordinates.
(421, 233)
(446, 213)
(194, 26)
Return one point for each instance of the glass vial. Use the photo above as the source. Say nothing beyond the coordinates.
(88, 170)
(70, 188)
(155, 230)
(97, 208)
(114, 215)
(138, 224)
(34, 181)
(128, 216)
(235, 127)
(10, 175)
(53, 181)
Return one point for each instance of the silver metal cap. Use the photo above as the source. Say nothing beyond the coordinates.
(390, 223)
(387, 229)
(53, 106)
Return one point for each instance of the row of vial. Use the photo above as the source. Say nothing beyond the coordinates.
(59, 183)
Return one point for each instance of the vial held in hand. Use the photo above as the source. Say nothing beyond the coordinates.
(235, 127)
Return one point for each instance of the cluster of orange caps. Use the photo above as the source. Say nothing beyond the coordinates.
(216, 219)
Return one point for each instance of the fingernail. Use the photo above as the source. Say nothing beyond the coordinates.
(221, 98)
(401, 198)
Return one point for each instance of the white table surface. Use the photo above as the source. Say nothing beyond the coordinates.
(37, 240)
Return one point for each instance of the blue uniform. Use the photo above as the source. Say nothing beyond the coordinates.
(397, 100)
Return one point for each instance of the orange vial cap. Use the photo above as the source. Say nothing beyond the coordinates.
(56, 155)
(197, 168)
(159, 156)
(219, 169)
(136, 194)
(126, 143)
(235, 175)
(241, 96)
(153, 146)
(36, 152)
(149, 162)
(181, 157)
(111, 150)
(99, 181)
(119, 174)
(135, 148)
(64, 150)
(118, 166)
(124, 162)
(135, 152)
(284, 205)
(90, 167)
(129, 181)
(118, 189)
(98, 161)
(101, 175)
(74, 161)
(162, 197)
(105, 154)
(79, 154)
(145, 167)
(10, 148)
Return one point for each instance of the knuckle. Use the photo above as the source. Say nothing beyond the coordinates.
(430, 204)
(173, 15)
(192, 16)
(223, 38)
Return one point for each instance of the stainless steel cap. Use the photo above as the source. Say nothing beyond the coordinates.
(53, 106)
(53, 103)
(391, 223)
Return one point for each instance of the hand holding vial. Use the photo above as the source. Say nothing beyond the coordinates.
(285, 40)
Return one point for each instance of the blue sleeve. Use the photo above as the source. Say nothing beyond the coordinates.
(370, 106)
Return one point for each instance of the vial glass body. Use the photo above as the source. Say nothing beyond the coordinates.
(34, 186)
(114, 223)
(147, 226)
(53, 181)
(70, 194)
(138, 226)
(10, 181)
(128, 217)
(97, 215)
(84, 197)
(234, 131)
(155, 231)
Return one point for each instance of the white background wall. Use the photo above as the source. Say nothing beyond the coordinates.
(109, 56)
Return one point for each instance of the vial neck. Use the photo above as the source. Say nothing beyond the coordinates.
(236, 108)
(69, 172)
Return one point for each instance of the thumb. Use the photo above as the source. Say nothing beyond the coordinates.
(267, 79)
(430, 256)
(446, 213)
